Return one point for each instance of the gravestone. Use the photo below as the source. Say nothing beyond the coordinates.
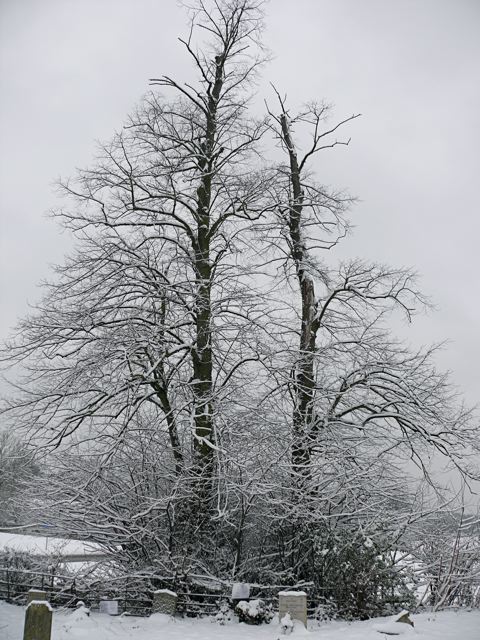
(164, 601)
(240, 591)
(38, 621)
(404, 617)
(108, 606)
(293, 603)
(34, 594)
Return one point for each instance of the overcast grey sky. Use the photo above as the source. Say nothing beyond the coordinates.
(70, 71)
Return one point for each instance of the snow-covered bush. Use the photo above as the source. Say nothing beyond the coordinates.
(326, 610)
(224, 614)
(253, 612)
(356, 579)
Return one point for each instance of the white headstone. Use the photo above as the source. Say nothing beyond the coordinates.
(109, 606)
(294, 603)
(240, 591)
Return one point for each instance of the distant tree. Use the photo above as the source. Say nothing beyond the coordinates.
(447, 556)
(17, 469)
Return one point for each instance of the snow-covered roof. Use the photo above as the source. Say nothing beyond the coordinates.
(44, 545)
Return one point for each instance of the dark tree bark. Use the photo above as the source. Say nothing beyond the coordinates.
(304, 393)
(307, 206)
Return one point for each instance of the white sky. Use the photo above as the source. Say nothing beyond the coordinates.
(70, 71)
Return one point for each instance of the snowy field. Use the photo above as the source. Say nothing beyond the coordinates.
(75, 625)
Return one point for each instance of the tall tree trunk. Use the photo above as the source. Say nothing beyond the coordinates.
(202, 352)
(304, 385)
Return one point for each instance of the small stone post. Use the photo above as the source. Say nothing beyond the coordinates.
(294, 603)
(38, 621)
(33, 594)
(164, 601)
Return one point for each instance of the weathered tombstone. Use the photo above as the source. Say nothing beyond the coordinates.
(164, 601)
(38, 621)
(108, 606)
(394, 627)
(34, 594)
(293, 603)
(404, 617)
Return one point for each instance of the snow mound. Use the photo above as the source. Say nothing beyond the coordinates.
(445, 625)
(286, 624)
(158, 620)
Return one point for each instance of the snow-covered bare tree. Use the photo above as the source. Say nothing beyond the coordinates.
(199, 415)
(154, 322)
(154, 305)
(348, 371)
(359, 403)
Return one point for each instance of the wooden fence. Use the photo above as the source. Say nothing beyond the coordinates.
(135, 593)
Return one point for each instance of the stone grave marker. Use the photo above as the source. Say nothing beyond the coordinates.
(38, 621)
(294, 603)
(109, 606)
(164, 601)
(240, 591)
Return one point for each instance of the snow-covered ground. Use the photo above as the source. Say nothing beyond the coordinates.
(75, 625)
